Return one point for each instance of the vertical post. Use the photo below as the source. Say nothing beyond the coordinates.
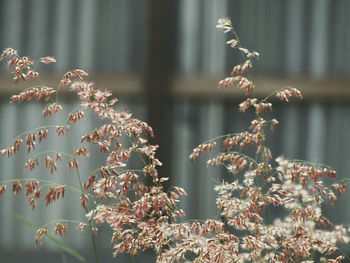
(160, 66)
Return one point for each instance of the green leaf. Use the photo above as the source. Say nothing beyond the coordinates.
(63, 246)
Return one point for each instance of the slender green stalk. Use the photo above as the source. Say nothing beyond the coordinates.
(60, 244)
(57, 152)
(36, 129)
(80, 183)
(72, 188)
(221, 136)
(86, 210)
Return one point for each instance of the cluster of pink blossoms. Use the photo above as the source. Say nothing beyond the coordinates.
(144, 216)
(137, 209)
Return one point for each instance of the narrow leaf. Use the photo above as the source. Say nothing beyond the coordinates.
(63, 246)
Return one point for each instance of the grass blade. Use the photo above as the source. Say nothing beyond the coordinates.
(60, 244)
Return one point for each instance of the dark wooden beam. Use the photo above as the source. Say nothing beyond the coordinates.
(199, 86)
(122, 85)
(203, 87)
(160, 66)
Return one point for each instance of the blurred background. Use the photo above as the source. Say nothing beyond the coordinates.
(163, 60)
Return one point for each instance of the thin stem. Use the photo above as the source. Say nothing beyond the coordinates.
(35, 129)
(63, 221)
(72, 188)
(273, 93)
(245, 156)
(240, 46)
(345, 255)
(239, 42)
(221, 136)
(57, 152)
(31, 87)
(141, 158)
(112, 167)
(80, 184)
(342, 180)
(310, 163)
(83, 192)
(132, 144)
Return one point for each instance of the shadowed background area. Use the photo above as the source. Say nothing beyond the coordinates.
(163, 60)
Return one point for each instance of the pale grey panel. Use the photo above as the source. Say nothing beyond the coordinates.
(13, 31)
(112, 28)
(7, 166)
(346, 49)
(122, 32)
(37, 29)
(315, 144)
(343, 211)
(213, 40)
(211, 125)
(339, 38)
(183, 172)
(189, 41)
(260, 26)
(62, 28)
(334, 136)
(86, 33)
(28, 116)
(294, 36)
(272, 55)
(319, 41)
(246, 26)
(290, 125)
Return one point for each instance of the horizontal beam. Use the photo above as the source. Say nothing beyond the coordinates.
(121, 85)
(204, 87)
(200, 86)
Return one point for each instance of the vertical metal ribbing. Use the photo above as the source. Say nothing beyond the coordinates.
(160, 66)
(315, 146)
(294, 36)
(213, 41)
(211, 125)
(290, 126)
(189, 38)
(29, 118)
(345, 164)
(11, 32)
(319, 38)
(86, 34)
(62, 28)
(8, 113)
(340, 38)
(38, 45)
(113, 26)
(183, 143)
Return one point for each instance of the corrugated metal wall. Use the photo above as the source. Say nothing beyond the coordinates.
(106, 36)
(295, 37)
